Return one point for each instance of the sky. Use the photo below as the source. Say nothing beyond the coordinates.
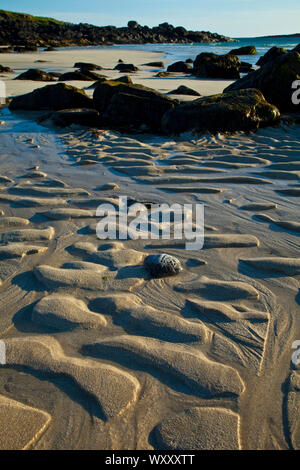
(235, 18)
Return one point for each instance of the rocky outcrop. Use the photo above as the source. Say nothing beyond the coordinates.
(22, 29)
(36, 75)
(209, 65)
(52, 97)
(240, 110)
(245, 50)
(274, 80)
(271, 55)
(131, 106)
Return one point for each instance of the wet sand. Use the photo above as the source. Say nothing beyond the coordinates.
(99, 354)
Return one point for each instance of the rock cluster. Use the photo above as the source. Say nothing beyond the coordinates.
(29, 32)
(274, 79)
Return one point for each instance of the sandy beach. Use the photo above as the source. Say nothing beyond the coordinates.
(101, 355)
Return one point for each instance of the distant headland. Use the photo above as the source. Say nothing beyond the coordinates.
(35, 31)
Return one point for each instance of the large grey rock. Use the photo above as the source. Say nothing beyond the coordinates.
(127, 105)
(271, 55)
(209, 65)
(59, 96)
(241, 110)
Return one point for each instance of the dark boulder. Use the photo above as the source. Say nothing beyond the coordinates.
(126, 68)
(5, 69)
(209, 65)
(155, 64)
(87, 66)
(81, 75)
(50, 49)
(236, 111)
(52, 97)
(271, 55)
(274, 80)
(184, 90)
(68, 117)
(131, 106)
(297, 48)
(189, 61)
(132, 24)
(37, 75)
(245, 50)
(180, 67)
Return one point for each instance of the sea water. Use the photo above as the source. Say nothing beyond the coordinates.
(176, 52)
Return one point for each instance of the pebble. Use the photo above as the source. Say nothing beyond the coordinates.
(163, 265)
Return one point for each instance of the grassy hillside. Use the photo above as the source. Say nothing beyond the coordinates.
(40, 20)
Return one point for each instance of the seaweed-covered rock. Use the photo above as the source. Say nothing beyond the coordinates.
(59, 96)
(245, 50)
(180, 67)
(67, 117)
(240, 110)
(274, 80)
(123, 79)
(271, 55)
(127, 105)
(209, 65)
(184, 90)
(36, 75)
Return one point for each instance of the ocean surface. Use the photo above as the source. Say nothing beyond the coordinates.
(175, 52)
